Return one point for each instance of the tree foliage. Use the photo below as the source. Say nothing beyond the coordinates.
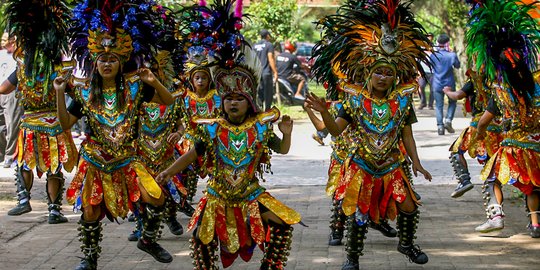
(278, 16)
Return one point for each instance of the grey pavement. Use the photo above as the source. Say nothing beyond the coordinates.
(445, 233)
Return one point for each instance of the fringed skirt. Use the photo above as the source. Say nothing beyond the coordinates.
(373, 193)
(238, 226)
(42, 144)
(114, 183)
(335, 171)
(174, 188)
(481, 150)
(517, 162)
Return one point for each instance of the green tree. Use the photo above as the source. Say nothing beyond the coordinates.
(278, 16)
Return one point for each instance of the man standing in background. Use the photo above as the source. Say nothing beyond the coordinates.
(265, 52)
(444, 61)
(10, 103)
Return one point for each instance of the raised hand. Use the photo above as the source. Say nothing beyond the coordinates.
(316, 103)
(286, 125)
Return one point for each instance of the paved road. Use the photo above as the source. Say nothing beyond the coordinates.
(446, 232)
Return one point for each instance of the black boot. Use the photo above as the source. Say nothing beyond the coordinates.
(170, 218)
(204, 256)
(406, 223)
(461, 172)
(355, 243)
(337, 224)
(187, 209)
(276, 251)
(55, 217)
(191, 184)
(89, 236)
(384, 228)
(23, 196)
(151, 224)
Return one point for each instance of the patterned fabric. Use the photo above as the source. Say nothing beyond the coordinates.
(481, 150)
(373, 178)
(231, 208)
(42, 143)
(156, 123)
(107, 170)
(516, 161)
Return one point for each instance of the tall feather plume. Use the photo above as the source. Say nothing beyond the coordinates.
(41, 30)
(504, 38)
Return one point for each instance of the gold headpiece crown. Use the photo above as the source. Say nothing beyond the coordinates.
(100, 42)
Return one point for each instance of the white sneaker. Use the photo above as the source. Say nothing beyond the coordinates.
(490, 225)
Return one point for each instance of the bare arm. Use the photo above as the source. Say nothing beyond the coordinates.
(272, 61)
(334, 126)
(66, 119)
(6, 87)
(285, 126)
(410, 147)
(175, 136)
(455, 95)
(318, 123)
(162, 94)
(179, 165)
(483, 123)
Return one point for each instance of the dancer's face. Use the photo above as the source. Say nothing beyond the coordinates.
(108, 66)
(200, 80)
(382, 79)
(236, 107)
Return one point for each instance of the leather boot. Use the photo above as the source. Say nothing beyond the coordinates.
(337, 224)
(23, 195)
(356, 234)
(204, 256)
(407, 224)
(89, 236)
(151, 224)
(276, 250)
(55, 216)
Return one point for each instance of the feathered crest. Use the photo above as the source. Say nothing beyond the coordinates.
(131, 29)
(504, 39)
(41, 30)
(216, 33)
(364, 34)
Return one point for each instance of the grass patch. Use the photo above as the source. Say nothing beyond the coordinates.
(295, 112)
(316, 89)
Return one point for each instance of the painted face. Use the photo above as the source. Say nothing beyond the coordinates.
(236, 107)
(108, 66)
(200, 80)
(382, 79)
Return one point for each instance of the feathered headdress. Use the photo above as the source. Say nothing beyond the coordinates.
(236, 67)
(366, 34)
(504, 39)
(41, 30)
(129, 29)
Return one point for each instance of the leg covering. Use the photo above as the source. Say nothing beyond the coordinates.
(276, 251)
(89, 236)
(137, 231)
(203, 255)
(170, 217)
(191, 184)
(337, 224)
(23, 195)
(462, 174)
(407, 224)
(494, 212)
(55, 216)
(151, 224)
(355, 243)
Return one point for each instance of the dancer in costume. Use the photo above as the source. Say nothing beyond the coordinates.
(236, 210)
(40, 28)
(505, 40)
(376, 50)
(109, 179)
(479, 96)
(200, 100)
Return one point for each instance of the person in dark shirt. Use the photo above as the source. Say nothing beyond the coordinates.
(289, 68)
(265, 53)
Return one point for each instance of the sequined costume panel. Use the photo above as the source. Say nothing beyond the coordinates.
(338, 155)
(42, 143)
(231, 208)
(373, 179)
(156, 123)
(516, 161)
(108, 172)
